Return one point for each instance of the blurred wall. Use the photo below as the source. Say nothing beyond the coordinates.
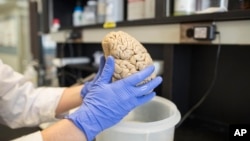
(16, 54)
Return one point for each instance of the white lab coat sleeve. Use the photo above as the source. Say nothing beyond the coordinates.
(22, 105)
(36, 136)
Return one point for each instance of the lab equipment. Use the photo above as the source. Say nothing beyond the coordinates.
(149, 8)
(55, 25)
(114, 11)
(101, 11)
(61, 62)
(90, 13)
(135, 9)
(210, 6)
(107, 103)
(77, 16)
(97, 57)
(184, 7)
(153, 121)
(159, 64)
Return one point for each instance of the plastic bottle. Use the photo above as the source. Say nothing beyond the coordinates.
(184, 7)
(77, 16)
(208, 6)
(135, 9)
(114, 11)
(90, 12)
(101, 11)
(219, 3)
(84, 18)
(149, 8)
(55, 25)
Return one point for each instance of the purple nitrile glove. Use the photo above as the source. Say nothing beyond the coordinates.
(88, 85)
(107, 103)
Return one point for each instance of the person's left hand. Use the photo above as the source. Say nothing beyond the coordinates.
(88, 85)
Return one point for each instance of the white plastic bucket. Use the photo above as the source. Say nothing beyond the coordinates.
(153, 121)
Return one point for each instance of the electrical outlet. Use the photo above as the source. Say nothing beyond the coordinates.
(201, 33)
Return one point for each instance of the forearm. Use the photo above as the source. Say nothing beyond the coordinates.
(63, 130)
(70, 99)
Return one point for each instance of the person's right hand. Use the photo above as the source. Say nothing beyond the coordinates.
(107, 103)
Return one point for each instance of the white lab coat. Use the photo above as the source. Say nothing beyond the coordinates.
(22, 105)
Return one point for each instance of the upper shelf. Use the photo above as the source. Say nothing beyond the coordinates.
(223, 16)
(233, 27)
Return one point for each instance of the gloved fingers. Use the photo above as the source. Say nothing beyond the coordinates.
(145, 98)
(102, 63)
(139, 76)
(87, 85)
(148, 87)
(108, 70)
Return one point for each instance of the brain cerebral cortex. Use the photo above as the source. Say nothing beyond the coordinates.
(130, 55)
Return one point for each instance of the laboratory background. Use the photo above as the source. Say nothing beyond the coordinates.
(201, 48)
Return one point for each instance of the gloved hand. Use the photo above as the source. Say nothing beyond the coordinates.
(88, 85)
(107, 103)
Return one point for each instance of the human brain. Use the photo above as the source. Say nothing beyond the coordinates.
(130, 55)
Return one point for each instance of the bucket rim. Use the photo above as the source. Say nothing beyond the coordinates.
(163, 124)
